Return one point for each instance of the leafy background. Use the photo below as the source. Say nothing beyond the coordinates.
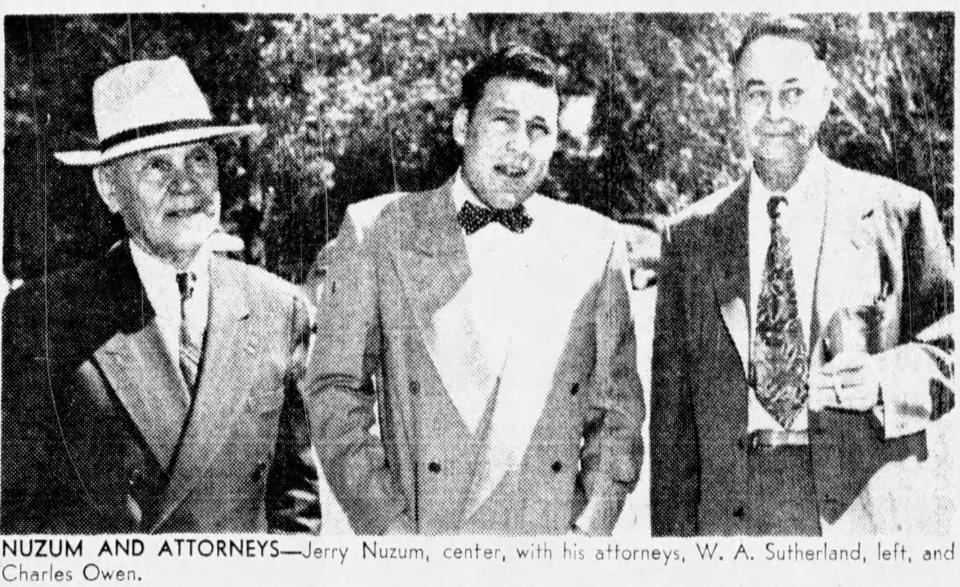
(357, 105)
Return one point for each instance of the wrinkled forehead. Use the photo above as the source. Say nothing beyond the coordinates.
(773, 61)
(522, 96)
(172, 153)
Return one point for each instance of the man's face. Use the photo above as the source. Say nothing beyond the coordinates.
(169, 198)
(508, 140)
(782, 93)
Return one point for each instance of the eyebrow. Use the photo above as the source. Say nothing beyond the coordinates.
(752, 83)
(504, 110)
(150, 158)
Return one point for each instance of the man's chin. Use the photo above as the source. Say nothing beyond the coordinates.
(507, 199)
(779, 154)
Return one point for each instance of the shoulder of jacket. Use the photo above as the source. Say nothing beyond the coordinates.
(874, 190)
(365, 213)
(588, 223)
(262, 281)
(695, 213)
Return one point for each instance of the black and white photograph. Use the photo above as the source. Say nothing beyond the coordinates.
(619, 280)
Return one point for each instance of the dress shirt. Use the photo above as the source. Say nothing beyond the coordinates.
(498, 258)
(159, 280)
(802, 218)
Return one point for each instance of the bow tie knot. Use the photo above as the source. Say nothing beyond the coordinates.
(472, 217)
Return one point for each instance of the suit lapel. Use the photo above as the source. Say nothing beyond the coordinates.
(850, 276)
(225, 378)
(434, 269)
(433, 264)
(138, 366)
(731, 268)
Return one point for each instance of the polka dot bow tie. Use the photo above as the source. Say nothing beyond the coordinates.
(472, 218)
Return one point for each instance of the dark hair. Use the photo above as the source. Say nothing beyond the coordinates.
(784, 28)
(516, 62)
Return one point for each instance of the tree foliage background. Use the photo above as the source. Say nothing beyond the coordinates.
(358, 105)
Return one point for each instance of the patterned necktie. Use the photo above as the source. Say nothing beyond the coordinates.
(472, 218)
(779, 349)
(189, 349)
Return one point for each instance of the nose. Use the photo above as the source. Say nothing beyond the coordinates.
(775, 108)
(183, 180)
(518, 141)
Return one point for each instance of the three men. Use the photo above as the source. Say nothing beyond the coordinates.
(495, 324)
(797, 379)
(155, 389)
(800, 370)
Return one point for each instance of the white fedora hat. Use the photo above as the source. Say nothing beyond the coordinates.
(145, 105)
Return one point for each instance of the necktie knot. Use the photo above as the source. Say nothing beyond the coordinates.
(775, 206)
(472, 217)
(186, 281)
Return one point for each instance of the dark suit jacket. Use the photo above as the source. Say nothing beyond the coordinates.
(395, 270)
(881, 241)
(93, 405)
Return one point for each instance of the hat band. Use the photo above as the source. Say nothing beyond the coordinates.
(150, 130)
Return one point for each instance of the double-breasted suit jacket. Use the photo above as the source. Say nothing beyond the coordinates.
(94, 408)
(881, 471)
(559, 431)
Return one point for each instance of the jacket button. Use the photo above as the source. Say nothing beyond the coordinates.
(414, 387)
(257, 473)
(739, 512)
(556, 466)
(136, 478)
(574, 389)
(434, 467)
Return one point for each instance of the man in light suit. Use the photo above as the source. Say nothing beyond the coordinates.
(800, 374)
(155, 389)
(496, 324)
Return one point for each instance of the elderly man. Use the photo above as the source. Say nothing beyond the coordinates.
(155, 389)
(799, 372)
(495, 322)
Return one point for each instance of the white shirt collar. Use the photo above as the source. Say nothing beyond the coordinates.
(159, 277)
(159, 280)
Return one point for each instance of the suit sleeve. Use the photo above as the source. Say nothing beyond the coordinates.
(916, 377)
(613, 448)
(24, 428)
(293, 498)
(341, 398)
(674, 457)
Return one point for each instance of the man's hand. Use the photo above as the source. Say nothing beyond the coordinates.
(851, 381)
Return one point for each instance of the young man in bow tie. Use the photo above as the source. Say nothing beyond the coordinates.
(800, 373)
(496, 324)
(155, 389)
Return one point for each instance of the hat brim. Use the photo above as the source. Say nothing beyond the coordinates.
(157, 141)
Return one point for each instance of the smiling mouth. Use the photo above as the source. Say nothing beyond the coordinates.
(182, 213)
(511, 171)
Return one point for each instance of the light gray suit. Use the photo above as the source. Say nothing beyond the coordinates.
(568, 403)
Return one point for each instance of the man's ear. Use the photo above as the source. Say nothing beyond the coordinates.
(828, 92)
(461, 119)
(106, 187)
